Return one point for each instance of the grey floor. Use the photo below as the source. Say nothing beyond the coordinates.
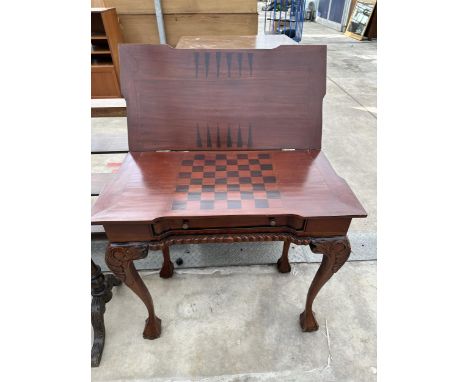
(242, 324)
(226, 323)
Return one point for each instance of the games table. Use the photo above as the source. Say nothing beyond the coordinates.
(225, 146)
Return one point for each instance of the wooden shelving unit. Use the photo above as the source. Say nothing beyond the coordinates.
(183, 18)
(105, 68)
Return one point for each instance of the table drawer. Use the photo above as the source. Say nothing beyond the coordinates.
(227, 222)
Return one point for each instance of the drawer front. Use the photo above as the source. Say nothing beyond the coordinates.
(223, 222)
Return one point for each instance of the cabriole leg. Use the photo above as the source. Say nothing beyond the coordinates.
(283, 262)
(336, 251)
(168, 267)
(119, 259)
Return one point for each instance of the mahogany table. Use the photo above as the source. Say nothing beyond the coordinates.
(225, 146)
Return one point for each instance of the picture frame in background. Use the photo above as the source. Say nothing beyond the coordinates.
(360, 19)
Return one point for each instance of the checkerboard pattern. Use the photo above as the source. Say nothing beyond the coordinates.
(226, 181)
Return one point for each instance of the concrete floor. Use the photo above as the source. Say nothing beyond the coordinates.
(245, 328)
(217, 335)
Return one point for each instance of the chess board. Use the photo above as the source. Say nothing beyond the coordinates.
(230, 181)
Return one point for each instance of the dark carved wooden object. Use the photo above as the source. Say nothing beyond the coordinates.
(101, 290)
(228, 238)
(336, 251)
(119, 259)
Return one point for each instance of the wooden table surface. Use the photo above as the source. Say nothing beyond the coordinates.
(152, 185)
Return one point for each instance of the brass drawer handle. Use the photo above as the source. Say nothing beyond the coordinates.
(185, 224)
(272, 222)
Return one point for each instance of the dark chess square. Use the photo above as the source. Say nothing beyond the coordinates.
(226, 181)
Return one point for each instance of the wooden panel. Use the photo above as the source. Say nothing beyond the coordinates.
(114, 36)
(237, 42)
(209, 6)
(122, 232)
(187, 185)
(182, 224)
(180, 99)
(180, 25)
(139, 29)
(131, 6)
(327, 227)
(104, 83)
(322, 227)
(97, 4)
(183, 6)
(142, 29)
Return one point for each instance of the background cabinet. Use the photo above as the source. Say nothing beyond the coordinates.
(105, 68)
(183, 18)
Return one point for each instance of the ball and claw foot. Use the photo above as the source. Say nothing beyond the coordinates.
(283, 265)
(167, 270)
(152, 328)
(308, 322)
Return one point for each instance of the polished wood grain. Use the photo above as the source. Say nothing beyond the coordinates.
(149, 181)
(162, 199)
(172, 94)
(234, 42)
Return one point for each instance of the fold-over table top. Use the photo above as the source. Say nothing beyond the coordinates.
(197, 99)
(152, 185)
